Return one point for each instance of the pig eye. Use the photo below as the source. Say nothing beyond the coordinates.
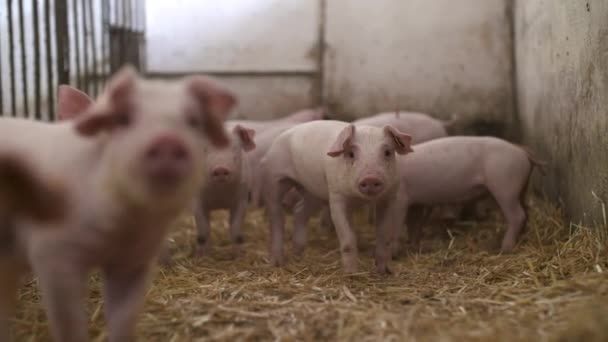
(387, 153)
(350, 154)
(194, 121)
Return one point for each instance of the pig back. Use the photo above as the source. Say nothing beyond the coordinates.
(421, 127)
(308, 145)
(443, 171)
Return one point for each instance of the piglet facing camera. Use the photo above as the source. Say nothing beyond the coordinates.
(227, 183)
(340, 164)
(131, 162)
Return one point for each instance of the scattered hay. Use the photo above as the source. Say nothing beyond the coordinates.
(553, 288)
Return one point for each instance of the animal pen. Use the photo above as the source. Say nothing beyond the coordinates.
(531, 71)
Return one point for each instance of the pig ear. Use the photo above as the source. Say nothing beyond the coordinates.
(71, 102)
(342, 142)
(246, 136)
(216, 103)
(117, 101)
(402, 141)
(25, 193)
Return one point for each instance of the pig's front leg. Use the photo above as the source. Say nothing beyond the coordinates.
(203, 240)
(273, 197)
(64, 289)
(388, 217)
(124, 293)
(325, 222)
(237, 216)
(340, 215)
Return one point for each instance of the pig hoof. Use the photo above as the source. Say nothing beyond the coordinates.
(298, 250)
(383, 270)
(277, 261)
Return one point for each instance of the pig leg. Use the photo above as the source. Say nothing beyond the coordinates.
(348, 241)
(273, 198)
(64, 289)
(303, 211)
(237, 215)
(124, 293)
(388, 218)
(326, 224)
(515, 215)
(203, 240)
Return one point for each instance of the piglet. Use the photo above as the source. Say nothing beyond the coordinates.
(341, 164)
(454, 170)
(226, 186)
(130, 165)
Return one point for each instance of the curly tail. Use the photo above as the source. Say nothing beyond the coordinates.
(453, 120)
(533, 159)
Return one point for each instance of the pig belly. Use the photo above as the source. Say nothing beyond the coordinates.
(442, 184)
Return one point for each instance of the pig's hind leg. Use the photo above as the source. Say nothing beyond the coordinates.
(303, 211)
(237, 216)
(8, 291)
(203, 239)
(509, 200)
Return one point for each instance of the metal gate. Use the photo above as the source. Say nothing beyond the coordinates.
(44, 43)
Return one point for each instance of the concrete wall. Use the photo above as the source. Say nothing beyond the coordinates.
(265, 50)
(562, 82)
(437, 56)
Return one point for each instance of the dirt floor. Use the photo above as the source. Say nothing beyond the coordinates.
(553, 288)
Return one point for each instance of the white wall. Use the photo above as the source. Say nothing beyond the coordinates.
(437, 56)
(249, 39)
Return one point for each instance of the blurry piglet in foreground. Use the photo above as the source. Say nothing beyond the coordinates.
(455, 170)
(226, 185)
(341, 164)
(130, 165)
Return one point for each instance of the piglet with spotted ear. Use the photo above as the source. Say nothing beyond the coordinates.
(227, 182)
(129, 165)
(341, 164)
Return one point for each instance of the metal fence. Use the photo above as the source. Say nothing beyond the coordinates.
(44, 43)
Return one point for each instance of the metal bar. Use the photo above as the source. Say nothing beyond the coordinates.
(1, 78)
(85, 56)
(321, 53)
(49, 59)
(233, 73)
(105, 34)
(24, 87)
(63, 42)
(76, 43)
(11, 57)
(37, 84)
(92, 21)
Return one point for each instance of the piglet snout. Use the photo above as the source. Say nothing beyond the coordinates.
(220, 173)
(371, 186)
(167, 160)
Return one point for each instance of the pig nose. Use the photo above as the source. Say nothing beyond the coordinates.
(167, 149)
(371, 186)
(220, 172)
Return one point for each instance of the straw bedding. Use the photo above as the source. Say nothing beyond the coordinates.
(553, 288)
